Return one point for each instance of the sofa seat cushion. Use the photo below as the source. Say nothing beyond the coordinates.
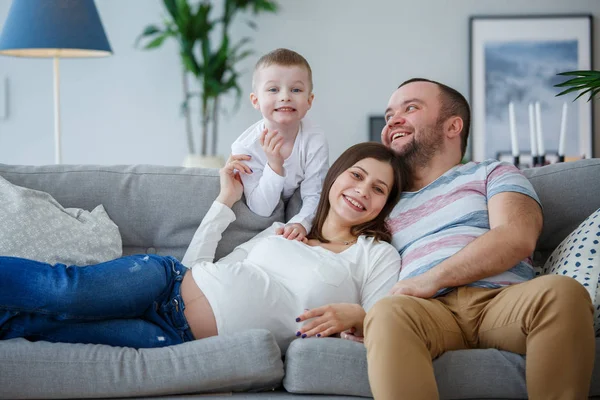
(249, 360)
(36, 226)
(337, 366)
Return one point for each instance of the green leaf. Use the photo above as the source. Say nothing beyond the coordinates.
(594, 93)
(157, 42)
(571, 90)
(172, 9)
(584, 82)
(185, 16)
(148, 31)
(582, 93)
(576, 81)
(580, 73)
(201, 24)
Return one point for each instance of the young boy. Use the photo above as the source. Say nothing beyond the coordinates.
(286, 151)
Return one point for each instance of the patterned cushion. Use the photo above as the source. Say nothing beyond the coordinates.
(578, 256)
(35, 226)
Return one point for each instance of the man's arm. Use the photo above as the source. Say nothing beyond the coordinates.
(515, 225)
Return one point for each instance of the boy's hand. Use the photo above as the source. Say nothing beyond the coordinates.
(271, 143)
(293, 232)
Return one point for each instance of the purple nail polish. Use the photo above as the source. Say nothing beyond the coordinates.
(303, 335)
(318, 335)
(298, 319)
(298, 333)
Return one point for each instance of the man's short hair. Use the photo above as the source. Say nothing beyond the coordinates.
(452, 104)
(284, 58)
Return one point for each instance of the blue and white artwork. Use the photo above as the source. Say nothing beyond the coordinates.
(524, 72)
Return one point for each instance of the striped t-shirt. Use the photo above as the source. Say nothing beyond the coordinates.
(434, 223)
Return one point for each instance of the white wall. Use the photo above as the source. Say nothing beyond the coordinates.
(124, 109)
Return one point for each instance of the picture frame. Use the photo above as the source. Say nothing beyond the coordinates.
(376, 124)
(516, 59)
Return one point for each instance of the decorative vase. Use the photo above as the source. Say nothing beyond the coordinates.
(199, 161)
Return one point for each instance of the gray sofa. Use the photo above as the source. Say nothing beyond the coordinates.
(157, 210)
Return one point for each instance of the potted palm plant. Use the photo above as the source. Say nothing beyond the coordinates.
(583, 82)
(209, 56)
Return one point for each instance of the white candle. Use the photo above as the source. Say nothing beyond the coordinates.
(540, 133)
(563, 131)
(513, 130)
(532, 132)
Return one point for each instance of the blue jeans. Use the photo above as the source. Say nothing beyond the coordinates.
(132, 301)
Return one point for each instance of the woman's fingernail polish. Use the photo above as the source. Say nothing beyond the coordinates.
(318, 335)
(303, 335)
(298, 319)
(298, 333)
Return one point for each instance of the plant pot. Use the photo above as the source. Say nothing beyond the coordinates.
(198, 161)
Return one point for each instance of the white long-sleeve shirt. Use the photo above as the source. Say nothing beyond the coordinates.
(269, 280)
(306, 168)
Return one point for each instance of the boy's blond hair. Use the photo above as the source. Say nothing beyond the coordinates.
(284, 58)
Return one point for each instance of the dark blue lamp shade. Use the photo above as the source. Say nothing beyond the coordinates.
(54, 28)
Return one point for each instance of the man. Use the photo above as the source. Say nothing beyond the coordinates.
(466, 234)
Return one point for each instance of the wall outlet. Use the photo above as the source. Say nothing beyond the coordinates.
(3, 98)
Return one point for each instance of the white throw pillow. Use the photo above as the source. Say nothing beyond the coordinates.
(33, 225)
(578, 256)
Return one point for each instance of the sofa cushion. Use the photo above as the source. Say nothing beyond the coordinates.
(36, 226)
(249, 360)
(157, 208)
(337, 366)
(578, 256)
(569, 192)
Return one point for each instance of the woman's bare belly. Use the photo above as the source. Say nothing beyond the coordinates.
(198, 312)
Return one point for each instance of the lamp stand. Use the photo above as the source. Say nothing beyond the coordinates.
(57, 153)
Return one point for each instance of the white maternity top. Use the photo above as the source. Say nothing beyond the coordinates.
(268, 281)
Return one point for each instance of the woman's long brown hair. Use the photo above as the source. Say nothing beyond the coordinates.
(377, 227)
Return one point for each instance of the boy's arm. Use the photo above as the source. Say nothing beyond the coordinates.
(317, 164)
(263, 187)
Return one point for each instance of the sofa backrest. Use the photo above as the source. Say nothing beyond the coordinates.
(569, 193)
(157, 208)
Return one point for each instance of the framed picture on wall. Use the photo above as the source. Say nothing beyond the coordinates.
(376, 124)
(514, 65)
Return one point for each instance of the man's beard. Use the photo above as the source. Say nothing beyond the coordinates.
(418, 153)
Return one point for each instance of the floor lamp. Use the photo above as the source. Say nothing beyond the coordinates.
(54, 29)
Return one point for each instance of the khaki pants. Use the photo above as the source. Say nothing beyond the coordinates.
(550, 318)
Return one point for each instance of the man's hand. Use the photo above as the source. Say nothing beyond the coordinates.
(331, 319)
(293, 232)
(271, 143)
(420, 286)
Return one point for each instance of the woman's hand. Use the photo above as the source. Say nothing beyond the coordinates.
(231, 183)
(331, 319)
(353, 336)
